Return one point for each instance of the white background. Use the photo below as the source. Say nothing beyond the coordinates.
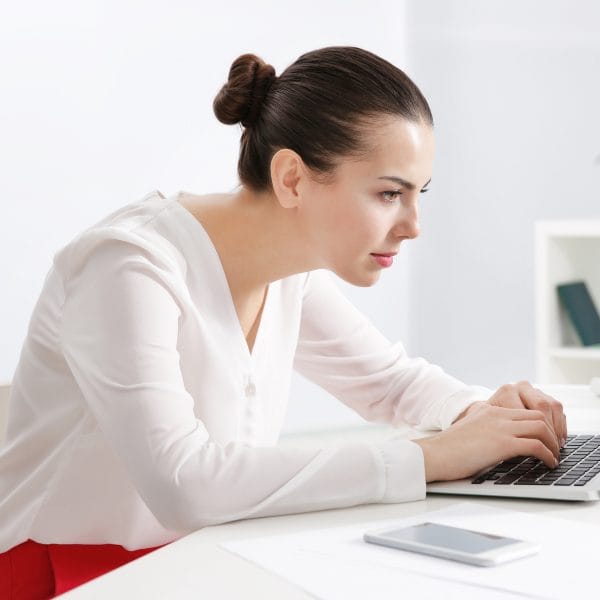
(102, 102)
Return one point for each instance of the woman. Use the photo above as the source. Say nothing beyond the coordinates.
(151, 387)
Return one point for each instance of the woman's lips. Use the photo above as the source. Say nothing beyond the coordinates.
(384, 260)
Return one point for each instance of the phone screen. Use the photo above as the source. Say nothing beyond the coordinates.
(454, 538)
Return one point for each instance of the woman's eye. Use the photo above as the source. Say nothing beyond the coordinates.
(391, 196)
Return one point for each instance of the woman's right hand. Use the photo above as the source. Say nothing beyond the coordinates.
(485, 437)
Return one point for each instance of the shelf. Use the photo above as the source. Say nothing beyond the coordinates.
(565, 251)
(576, 353)
(571, 228)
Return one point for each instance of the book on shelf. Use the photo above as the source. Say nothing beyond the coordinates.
(579, 305)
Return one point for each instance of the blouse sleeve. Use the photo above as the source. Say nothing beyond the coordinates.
(119, 335)
(343, 352)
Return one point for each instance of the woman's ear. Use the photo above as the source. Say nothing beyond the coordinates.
(287, 172)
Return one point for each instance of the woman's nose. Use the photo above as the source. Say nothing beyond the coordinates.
(407, 222)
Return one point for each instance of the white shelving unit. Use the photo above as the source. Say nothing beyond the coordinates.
(565, 251)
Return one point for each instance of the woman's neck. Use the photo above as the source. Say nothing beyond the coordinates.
(258, 240)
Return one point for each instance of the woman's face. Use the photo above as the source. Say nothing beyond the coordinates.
(372, 204)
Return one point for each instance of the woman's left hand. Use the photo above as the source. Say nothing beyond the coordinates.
(523, 395)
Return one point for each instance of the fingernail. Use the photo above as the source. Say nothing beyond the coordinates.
(562, 442)
(555, 462)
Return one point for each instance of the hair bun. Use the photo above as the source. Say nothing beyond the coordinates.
(241, 98)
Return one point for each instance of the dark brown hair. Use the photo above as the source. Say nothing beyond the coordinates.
(320, 106)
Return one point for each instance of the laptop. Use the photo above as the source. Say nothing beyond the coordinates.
(577, 476)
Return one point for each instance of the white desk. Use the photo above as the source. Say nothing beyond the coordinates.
(196, 567)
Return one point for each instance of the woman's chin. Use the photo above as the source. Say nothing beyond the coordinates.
(363, 278)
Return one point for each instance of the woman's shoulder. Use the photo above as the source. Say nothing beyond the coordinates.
(129, 230)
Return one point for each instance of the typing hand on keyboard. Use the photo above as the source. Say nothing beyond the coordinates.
(496, 430)
(524, 395)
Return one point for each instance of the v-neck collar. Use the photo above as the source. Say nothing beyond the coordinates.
(201, 235)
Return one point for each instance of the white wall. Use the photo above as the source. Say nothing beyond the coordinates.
(515, 93)
(102, 102)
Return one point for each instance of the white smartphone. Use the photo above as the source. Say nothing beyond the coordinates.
(454, 543)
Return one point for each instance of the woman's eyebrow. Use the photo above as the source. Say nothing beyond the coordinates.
(407, 184)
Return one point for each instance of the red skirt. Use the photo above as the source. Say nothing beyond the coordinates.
(34, 571)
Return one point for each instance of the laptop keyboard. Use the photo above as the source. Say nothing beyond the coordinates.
(579, 463)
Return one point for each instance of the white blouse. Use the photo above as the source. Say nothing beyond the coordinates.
(137, 413)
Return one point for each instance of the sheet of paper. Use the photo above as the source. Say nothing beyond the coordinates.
(337, 564)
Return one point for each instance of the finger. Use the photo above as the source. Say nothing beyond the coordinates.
(558, 418)
(538, 430)
(523, 414)
(535, 447)
(536, 400)
(558, 415)
(554, 404)
(506, 396)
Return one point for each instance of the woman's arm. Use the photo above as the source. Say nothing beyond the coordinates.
(343, 352)
(119, 336)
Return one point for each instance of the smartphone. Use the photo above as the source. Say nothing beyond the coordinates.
(454, 543)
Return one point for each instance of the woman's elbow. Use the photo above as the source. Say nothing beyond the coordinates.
(177, 510)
